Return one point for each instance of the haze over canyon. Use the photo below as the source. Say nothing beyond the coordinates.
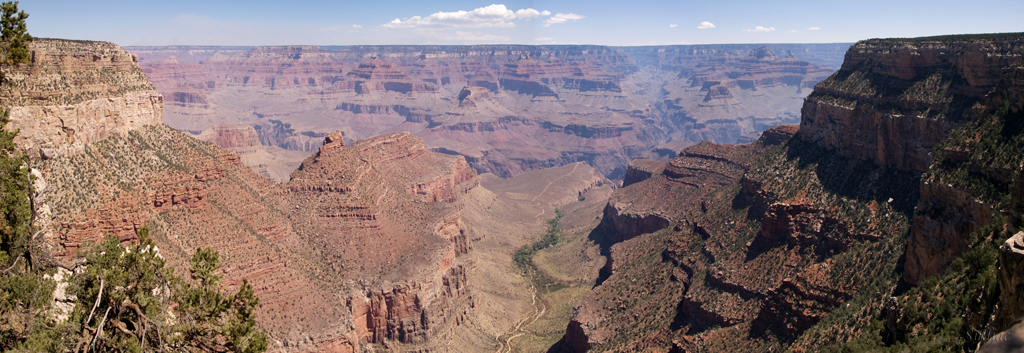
(507, 109)
(565, 198)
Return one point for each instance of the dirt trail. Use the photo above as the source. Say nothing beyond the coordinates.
(518, 331)
(577, 164)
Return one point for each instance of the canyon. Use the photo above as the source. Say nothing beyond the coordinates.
(876, 209)
(506, 109)
(378, 197)
(368, 243)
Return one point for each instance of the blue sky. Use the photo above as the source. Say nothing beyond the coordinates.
(257, 22)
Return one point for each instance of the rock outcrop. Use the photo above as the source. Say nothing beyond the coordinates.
(943, 221)
(634, 218)
(892, 101)
(364, 244)
(911, 137)
(1011, 281)
(269, 161)
(76, 93)
(640, 170)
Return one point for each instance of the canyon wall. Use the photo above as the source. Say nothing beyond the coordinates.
(506, 108)
(75, 93)
(891, 102)
(365, 244)
(903, 173)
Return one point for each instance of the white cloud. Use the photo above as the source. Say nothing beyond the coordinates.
(488, 16)
(544, 40)
(760, 29)
(814, 28)
(562, 18)
(529, 13)
(673, 26)
(793, 31)
(357, 26)
(706, 25)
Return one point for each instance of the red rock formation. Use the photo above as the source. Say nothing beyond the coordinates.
(642, 208)
(384, 214)
(100, 92)
(365, 237)
(640, 170)
(849, 113)
(818, 223)
(231, 136)
(380, 76)
(507, 109)
(943, 218)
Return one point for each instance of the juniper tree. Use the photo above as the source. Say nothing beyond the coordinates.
(25, 294)
(125, 303)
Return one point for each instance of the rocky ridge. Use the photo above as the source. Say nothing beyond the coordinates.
(798, 250)
(272, 162)
(364, 245)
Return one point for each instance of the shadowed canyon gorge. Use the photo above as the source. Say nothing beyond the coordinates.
(740, 198)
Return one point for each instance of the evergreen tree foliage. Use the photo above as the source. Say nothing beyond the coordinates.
(123, 297)
(129, 301)
(14, 35)
(24, 293)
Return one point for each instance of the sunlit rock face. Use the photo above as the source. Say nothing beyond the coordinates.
(506, 108)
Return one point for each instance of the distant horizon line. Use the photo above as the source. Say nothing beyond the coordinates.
(454, 45)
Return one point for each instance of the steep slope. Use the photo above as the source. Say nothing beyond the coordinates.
(801, 249)
(360, 247)
(364, 245)
(507, 109)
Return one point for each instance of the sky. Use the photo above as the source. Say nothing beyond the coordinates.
(621, 22)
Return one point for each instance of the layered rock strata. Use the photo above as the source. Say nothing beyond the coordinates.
(507, 109)
(76, 93)
(364, 244)
(892, 101)
(673, 201)
(272, 162)
(640, 170)
(910, 137)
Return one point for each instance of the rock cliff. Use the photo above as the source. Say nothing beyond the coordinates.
(892, 101)
(272, 162)
(75, 93)
(903, 171)
(364, 244)
(1011, 301)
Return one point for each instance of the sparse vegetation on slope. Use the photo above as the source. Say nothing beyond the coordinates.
(953, 311)
(134, 291)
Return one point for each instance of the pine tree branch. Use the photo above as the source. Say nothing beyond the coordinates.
(41, 230)
(99, 329)
(14, 264)
(95, 305)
